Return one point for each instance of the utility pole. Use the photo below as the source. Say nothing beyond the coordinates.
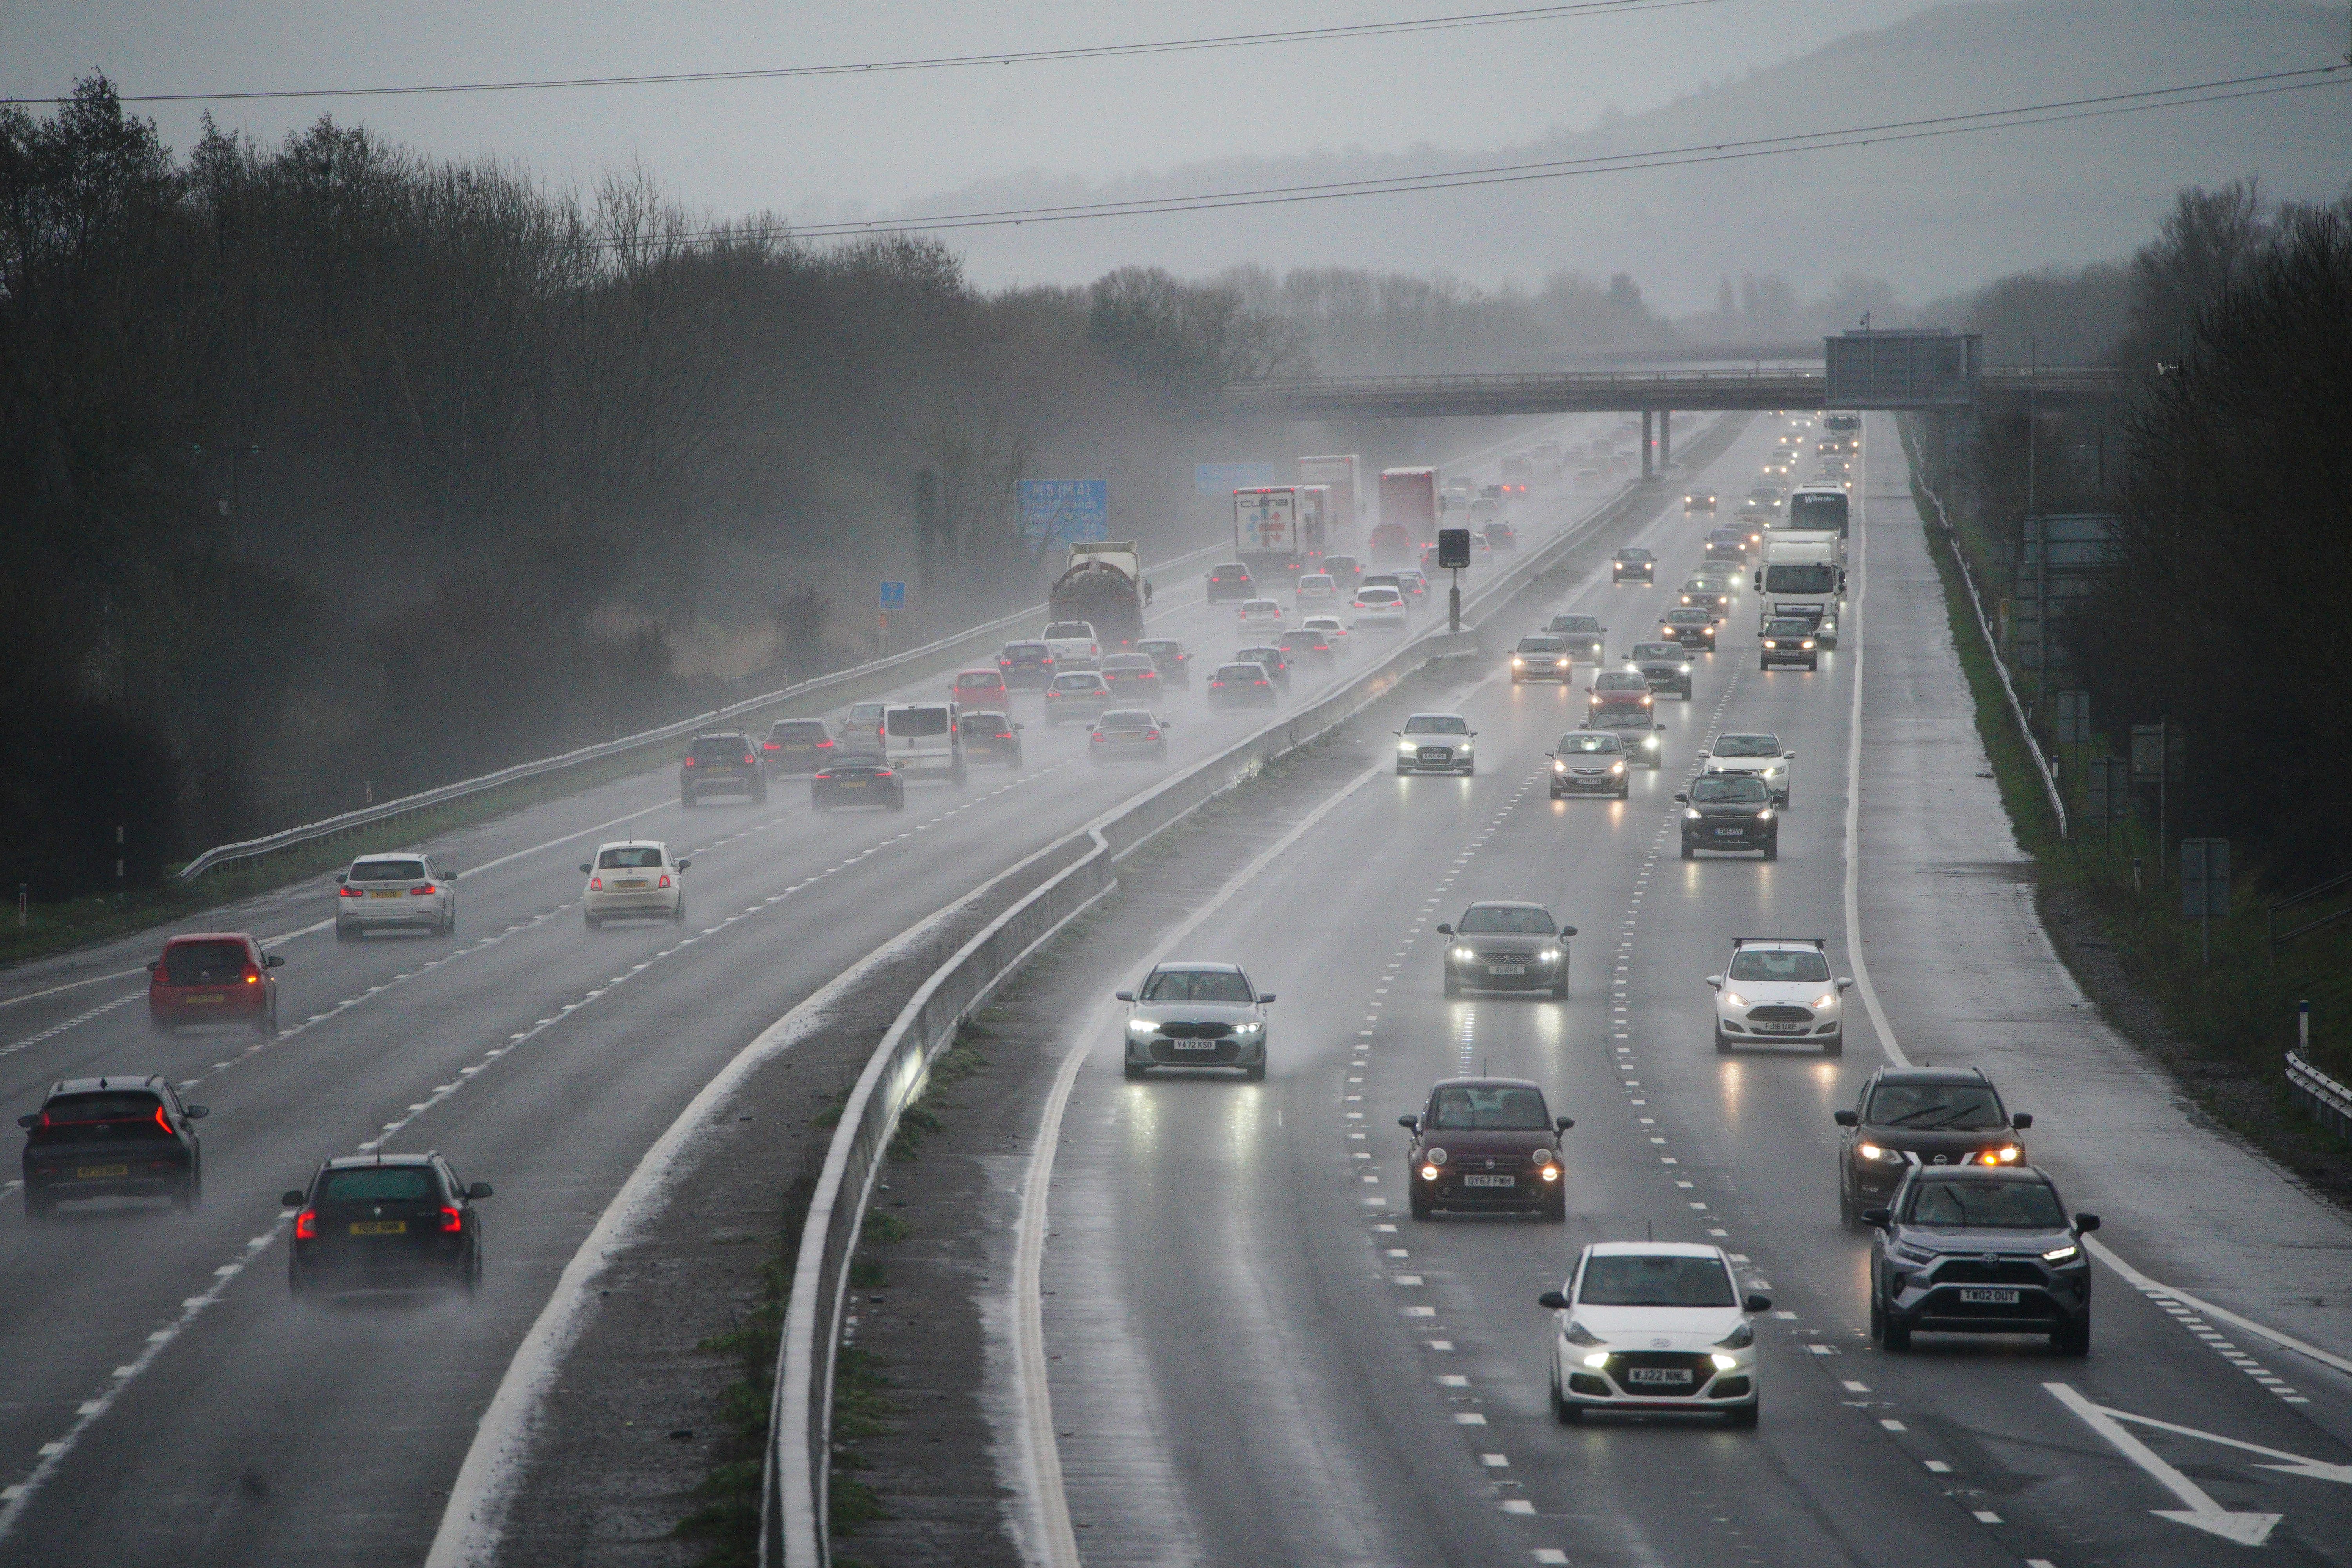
(232, 505)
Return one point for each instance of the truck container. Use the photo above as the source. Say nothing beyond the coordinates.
(1103, 585)
(1803, 575)
(1266, 537)
(1314, 526)
(1343, 519)
(1408, 502)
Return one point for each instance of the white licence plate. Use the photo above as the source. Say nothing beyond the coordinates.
(1991, 1298)
(1731, 833)
(1506, 969)
(1777, 1028)
(1670, 1376)
(1490, 1181)
(1192, 1044)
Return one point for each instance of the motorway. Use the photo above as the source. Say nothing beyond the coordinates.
(166, 1400)
(1256, 1356)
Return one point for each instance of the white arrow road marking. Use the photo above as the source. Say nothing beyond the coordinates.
(2202, 1512)
(2295, 1465)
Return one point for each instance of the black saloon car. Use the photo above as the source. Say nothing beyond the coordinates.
(1967, 1249)
(1487, 1145)
(1175, 664)
(386, 1222)
(1633, 566)
(992, 737)
(1635, 731)
(1935, 1116)
(1231, 580)
(725, 762)
(1586, 638)
(1730, 811)
(1789, 641)
(111, 1137)
(858, 780)
(1506, 946)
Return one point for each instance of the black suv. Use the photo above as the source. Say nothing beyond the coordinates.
(1967, 1249)
(386, 1222)
(111, 1137)
(1633, 566)
(1933, 1116)
(1690, 628)
(992, 737)
(725, 762)
(1230, 580)
(1504, 946)
(1587, 637)
(1788, 640)
(1483, 1145)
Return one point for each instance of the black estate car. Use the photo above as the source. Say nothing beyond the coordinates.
(1975, 1249)
(1503, 946)
(1933, 1116)
(724, 761)
(111, 1137)
(386, 1222)
(1487, 1145)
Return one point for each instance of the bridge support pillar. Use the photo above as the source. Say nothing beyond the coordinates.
(1666, 438)
(1647, 438)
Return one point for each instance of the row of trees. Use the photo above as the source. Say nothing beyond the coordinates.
(328, 469)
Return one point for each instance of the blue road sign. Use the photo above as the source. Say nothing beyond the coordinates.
(894, 595)
(1225, 478)
(1055, 512)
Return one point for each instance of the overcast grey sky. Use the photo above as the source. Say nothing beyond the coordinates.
(872, 142)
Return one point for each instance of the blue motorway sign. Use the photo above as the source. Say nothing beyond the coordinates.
(1225, 478)
(894, 595)
(1055, 512)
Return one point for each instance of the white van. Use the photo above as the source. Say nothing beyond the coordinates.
(924, 741)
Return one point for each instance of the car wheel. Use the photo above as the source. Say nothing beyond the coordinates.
(156, 1025)
(1563, 1412)
(677, 915)
(1134, 1072)
(1722, 1044)
(1453, 985)
(1556, 1211)
(1765, 665)
(2074, 1338)
(1515, 680)
(266, 1026)
(37, 1207)
(1417, 1206)
(1624, 791)
(1744, 1416)
(1848, 1216)
(344, 932)
(591, 921)
(1402, 770)
(898, 801)
(1254, 1073)
(1689, 853)
(686, 798)
(1893, 1333)
(1470, 772)
(960, 777)
(471, 1282)
(1772, 849)
(1559, 992)
(190, 1197)
(760, 796)
(1834, 1046)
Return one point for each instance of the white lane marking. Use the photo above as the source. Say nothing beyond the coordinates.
(2202, 1512)
(2295, 1465)
(59, 1027)
(70, 986)
(2159, 1292)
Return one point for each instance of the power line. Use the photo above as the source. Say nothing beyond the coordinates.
(2146, 100)
(1581, 8)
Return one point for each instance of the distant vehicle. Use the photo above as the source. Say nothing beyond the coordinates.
(1125, 732)
(1456, 495)
(125, 1135)
(1651, 1326)
(1541, 656)
(860, 778)
(986, 686)
(1779, 988)
(1231, 580)
(1636, 731)
(1079, 694)
(1789, 640)
(1389, 542)
(925, 740)
(1168, 654)
(1844, 423)
(992, 738)
(1270, 657)
(1722, 812)
(1969, 1250)
(1666, 666)
(1343, 477)
(1698, 503)
(1268, 536)
(1335, 631)
(1257, 614)
(1727, 547)
(1709, 593)
(416, 892)
(1344, 571)
(1502, 536)
(1379, 609)
(1194, 1015)
(385, 1221)
(1691, 628)
(1483, 1145)
(1074, 646)
(634, 879)
(1820, 507)
(1590, 761)
(1938, 1116)
(1409, 505)
(1635, 565)
(1025, 666)
(1316, 589)
(1132, 674)
(861, 729)
(796, 746)
(1103, 585)
(1586, 638)
(1758, 755)
(1620, 690)
(223, 976)
(1306, 642)
(1437, 743)
(1242, 684)
(1803, 568)
(1412, 584)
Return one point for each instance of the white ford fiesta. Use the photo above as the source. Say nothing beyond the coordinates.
(1651, 1326)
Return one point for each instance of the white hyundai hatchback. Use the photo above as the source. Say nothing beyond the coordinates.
(1651, 1326)
(395, 892)
(1260, 613)
(636, 878)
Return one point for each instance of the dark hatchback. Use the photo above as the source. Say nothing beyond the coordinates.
(797, 746)
(1635, 731)
(992, 738)
(1691, 628)
(1487, 1145)
(1506, 946)
(1729, 812)
(386, 1222)
(1241, 685)
(111, 1138)
(1664, 666)
(1231, 580)
(1633, 566)
(1964, 1249)
(1789, 641)
(1587, 637)
(724, 761)
(858, 780)
(1175, 664)
(1727, 546)
(1931, 1116)
(1275, 662)
(1026, 666)
(1307, 642)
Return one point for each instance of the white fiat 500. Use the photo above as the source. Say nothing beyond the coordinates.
(1653, 1326)
(636, 879)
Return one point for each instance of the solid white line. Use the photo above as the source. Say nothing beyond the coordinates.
(1041, 1454)
(503, 859)
(2203, 1512)
(2284, 1341)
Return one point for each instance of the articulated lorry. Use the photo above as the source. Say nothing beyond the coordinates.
(1409, 514)
(1343, 508)
(1103, 585)
(1803, 575)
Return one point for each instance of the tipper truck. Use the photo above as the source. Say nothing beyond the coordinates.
(1103, 585)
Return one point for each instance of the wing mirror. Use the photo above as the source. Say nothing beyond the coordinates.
(1122, 996)
(2022, 1121)
(196, 1112)
(291, 1198)
(153, 964)
(273, 962)
(684, 864)
(1019, 726)
(1714, 983)
(479, 1190)
(1266, 999)
(1563, 1124)
(1878, 1219)
(1685, 800)
(1845, 1117)
(1567, 930)
(586, 869)
(1789, 756)
(2086, 1223)
(1410, 1124)
(1757, 1304)
(341, 878)
(1445, 930)
(1554, 1300)
(1845, 982)
(30, 1120)
(1658, 727)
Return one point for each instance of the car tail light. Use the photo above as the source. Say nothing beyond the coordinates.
(1215, 685)
(1047, 659)
(349, 893)
(165, 1123)
(420, 892)
(596, 884)
(749, 761)
(770, 746)
(882, 772)
(1005, 735)
(821, 745)
(1004, 663)
(451, 1220)
(306, 1225)
(1257, 683)
(1151, 734)
(1100, 737)
(252, 977)
(689, 762)
(665, 880)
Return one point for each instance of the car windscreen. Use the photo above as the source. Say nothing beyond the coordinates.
(1128, 661)
(1525, 921)
(1789, 629)
(1260, 607)
(1541, 644)
(1748, 746)
(1127, 719)
(1800, 577)
(1379, 596)
(1963, 1107)
(719, 749)
(1082, 681)
(1475, 1109)
(1617, 1280)
(1436, 724)
(1658, 650)
(1318, 580)
(1161, 647)
(986, 722)
(638, 857)
(1794, 964)
(1026, 650)
(1619, 716)
(1620, 681)
(204, 963)
(1730, 792)
(1223, 985)
(1070, 630)
(1687, 617)
(1586, 745)
(378, 1183)
(386, 871)
(112, 1105)
(1985, 1205)
(913, 723)
(1635, 555)
(978, 680)
(1574, 624)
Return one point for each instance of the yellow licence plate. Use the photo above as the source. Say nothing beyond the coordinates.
(100, 1173)
(379, 1227)
(202, 999)
(383, 894)
(849, 783)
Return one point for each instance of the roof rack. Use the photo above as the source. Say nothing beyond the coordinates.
(1820, 942)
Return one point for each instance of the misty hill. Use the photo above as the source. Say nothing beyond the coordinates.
(1930, 215)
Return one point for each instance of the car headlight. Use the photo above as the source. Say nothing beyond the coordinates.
(1548, 956)
(1249, 1028)
(1141, 1027)
(1723, 1363)
(1597, 1360)
(1769, 643)
(1465, 954)
(1685, 669)
(1738, 1339)
(1690, 814)
(1429, 1173)
(1651, 742)
(1560, 767)
(1407, 746)
(1735, 998)
(1773, 772)
(1765, 815)
(2008, 1155)
(1561, 664)
(1615, 768)
(1828, 623)
(1806, 644)
(1516, 660)
(1910, 1254)
(2065, 1254)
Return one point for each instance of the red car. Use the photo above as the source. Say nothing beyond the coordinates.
(979, 689)
(210, 976)
(1621, 691)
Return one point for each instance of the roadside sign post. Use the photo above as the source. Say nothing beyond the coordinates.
(2157, 757)
(2205, 887)
(893, 597)
(2074, 718)
(1453, 554)
(2108, 791)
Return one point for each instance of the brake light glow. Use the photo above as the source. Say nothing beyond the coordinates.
(749, 761)
(596, 884)
(420, 892)
(252, 977)
(1151, 734)
(306, 1225)
(451, 1220)
(821, 745)
(665, 880)
(349, 893)
(161, 1121)
(689, 762)
(770, 746)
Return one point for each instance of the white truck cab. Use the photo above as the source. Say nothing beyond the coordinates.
(924, 739)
